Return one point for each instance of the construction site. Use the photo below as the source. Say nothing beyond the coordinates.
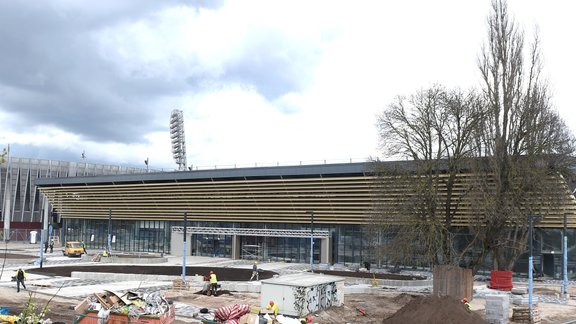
(151, 290)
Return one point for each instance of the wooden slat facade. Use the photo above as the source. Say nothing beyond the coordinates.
(338, 194)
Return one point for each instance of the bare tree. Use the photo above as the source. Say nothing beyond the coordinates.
(434, 128)
(522, 137)
(506, 152)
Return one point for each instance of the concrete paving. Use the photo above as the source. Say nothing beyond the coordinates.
(82, 285)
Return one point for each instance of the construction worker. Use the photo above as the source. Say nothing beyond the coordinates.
(20, 278)
(206, 286)
(272, 305)
(213, 283)
(467, 304)
(254, 271)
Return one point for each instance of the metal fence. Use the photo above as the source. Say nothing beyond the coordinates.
(20, 235)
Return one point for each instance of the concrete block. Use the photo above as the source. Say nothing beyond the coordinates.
(497, 308)
(497, 321)
(522, 300)
(519, 290)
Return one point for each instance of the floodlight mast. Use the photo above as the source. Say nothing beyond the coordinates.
(178, 138)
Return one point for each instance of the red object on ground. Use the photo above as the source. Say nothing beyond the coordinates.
(362, 311)
(501, 280)
(231, 314)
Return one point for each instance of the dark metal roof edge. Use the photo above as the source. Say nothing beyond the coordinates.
(176, 176)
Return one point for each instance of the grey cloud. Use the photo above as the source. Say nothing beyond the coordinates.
(51, 72)
(274, 63)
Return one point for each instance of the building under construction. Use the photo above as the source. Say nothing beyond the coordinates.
(266, 213)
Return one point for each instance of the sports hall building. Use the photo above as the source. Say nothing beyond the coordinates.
(267, 213)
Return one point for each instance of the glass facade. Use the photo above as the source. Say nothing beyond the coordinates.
(548, 254)
(154, 236)
(129, 236)
(349, 244)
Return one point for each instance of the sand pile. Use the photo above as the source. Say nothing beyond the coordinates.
(434, 309)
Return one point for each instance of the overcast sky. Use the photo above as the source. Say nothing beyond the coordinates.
(259, 82)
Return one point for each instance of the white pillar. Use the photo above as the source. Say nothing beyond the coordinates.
(325, 251)
(235, 247)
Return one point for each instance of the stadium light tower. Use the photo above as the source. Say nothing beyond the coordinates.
(178, 138)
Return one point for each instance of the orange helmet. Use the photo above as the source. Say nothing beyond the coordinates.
(465, 299)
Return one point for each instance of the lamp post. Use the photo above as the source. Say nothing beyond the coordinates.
(7, 194)
(42, 238)
(184, 249)
(565, 257)
(311, 212)
(108, 244)
(531, 219)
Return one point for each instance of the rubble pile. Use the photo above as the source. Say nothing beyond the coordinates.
(128, 306)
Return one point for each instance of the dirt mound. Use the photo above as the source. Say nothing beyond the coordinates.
(434, 309)
(17, 256)
(358, 274)
(403, 299)
(224, 274)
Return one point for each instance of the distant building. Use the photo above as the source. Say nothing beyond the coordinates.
(22, 204)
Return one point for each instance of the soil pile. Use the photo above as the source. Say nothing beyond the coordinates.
(224, 274)
(17, 256)
(370, 275)
(434, 309)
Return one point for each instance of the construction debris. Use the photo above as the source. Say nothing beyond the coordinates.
(5, 318)
(129, 306)
(41, 283)
(178, 284)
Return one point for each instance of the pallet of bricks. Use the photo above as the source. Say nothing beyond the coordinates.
(178, 284)
(522, 315)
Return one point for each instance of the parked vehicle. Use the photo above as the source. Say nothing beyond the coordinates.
(73, 248)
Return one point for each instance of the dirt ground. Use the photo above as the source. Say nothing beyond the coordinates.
(224, 274)
(376, 307)
(60, 309)
(357, 308)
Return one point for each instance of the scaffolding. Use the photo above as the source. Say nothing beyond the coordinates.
(251, 252)
(320, 234)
